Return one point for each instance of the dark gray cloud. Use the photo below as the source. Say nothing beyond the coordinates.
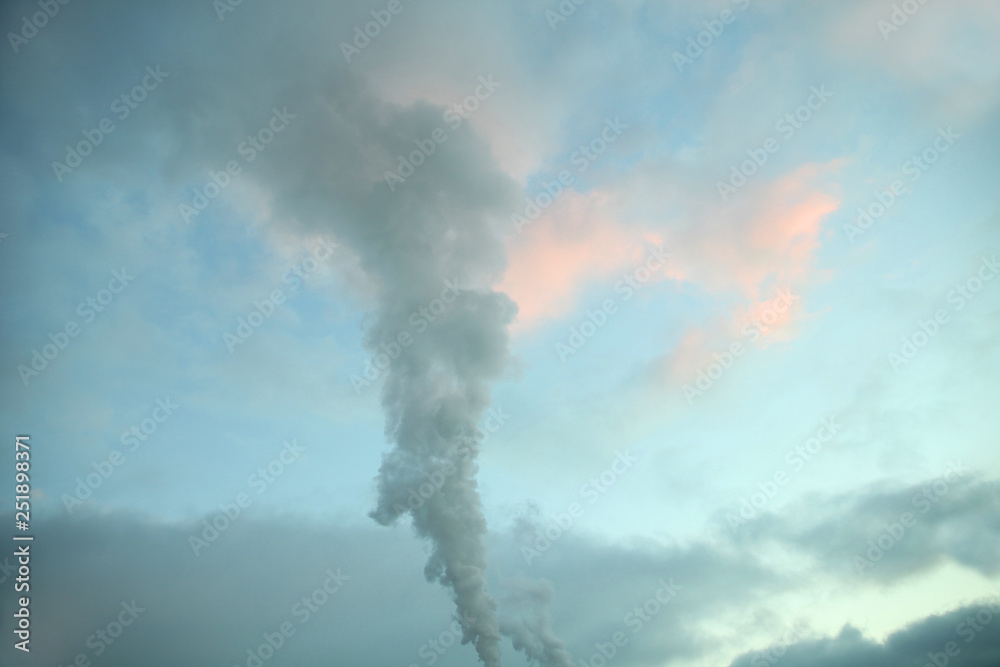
(603, 588)
(886, 534)
(968, 637)
(210, 608)
(213, 607)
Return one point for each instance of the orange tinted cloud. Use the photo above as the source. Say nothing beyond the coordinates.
(790, 216)
(764, 246)
(575, 241)
(767, 240)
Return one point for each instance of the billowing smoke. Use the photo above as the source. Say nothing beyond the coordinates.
(433, 249)
(434, 395)
(325, 174)
(526, 621)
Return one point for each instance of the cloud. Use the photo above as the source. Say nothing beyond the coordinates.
(769, 239)
(213, 607)
(958, 637)
(746, 256)
(895, 533)
(940, 54)
(603, 588)
(578, 241)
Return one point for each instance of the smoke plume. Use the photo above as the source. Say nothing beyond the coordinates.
(434, 396)
(527, 622)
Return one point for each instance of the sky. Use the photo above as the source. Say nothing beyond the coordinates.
(420, 332)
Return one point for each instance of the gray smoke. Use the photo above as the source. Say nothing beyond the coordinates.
(435, 391)
(438, 228)
(325, 174)
(526, 621)
(441, 225)
(434, 396)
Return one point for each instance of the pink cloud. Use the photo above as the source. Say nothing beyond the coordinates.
(576, 241)
(766, 242)
(753, 251)
(769, 238)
